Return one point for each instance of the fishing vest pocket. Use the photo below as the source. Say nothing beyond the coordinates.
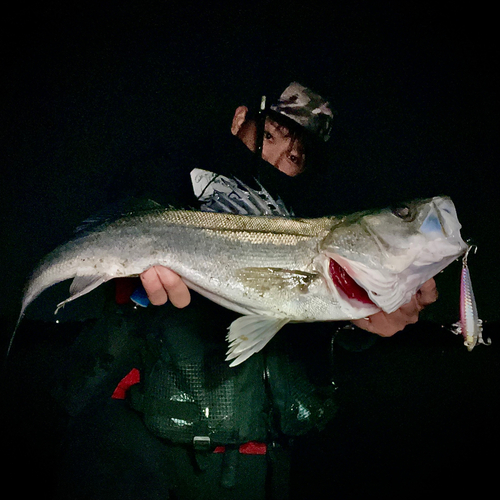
(299, 405)
(195, 402)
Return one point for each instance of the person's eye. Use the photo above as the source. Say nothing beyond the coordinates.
(294, 159)
(267, 135)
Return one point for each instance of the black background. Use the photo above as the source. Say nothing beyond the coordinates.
(86, 90)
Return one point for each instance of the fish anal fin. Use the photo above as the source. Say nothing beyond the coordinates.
(249, 334)
(82, 285)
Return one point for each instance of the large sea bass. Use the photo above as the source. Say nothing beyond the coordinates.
(271, 269)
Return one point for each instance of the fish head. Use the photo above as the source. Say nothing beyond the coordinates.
(390, 253)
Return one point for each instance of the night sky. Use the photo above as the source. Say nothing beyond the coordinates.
(88, 92)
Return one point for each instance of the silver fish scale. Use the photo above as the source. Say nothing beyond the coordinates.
(231, 222)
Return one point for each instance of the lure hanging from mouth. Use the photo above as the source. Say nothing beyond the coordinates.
(469, 326)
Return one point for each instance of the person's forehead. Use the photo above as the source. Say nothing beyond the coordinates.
(278, 127)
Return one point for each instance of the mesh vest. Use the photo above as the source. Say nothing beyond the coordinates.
(188, 390)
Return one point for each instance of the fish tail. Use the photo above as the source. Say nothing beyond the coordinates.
(19, 319)
(32, 291)
(11, 341)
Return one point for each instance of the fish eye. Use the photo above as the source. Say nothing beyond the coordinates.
(403, 212)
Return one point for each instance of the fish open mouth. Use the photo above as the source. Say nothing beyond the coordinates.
(347, 285)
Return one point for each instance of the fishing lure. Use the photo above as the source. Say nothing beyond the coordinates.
(469, 326)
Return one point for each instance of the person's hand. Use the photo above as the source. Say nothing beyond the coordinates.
(386, 325)
(162, 284)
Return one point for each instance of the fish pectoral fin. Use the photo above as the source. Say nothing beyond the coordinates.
(81, 285)
(249, 334)
(262, 279)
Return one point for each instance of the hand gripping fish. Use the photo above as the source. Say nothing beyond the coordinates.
(271, 269)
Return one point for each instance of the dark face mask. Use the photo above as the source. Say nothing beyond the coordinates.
(289, 189)
(234, 159)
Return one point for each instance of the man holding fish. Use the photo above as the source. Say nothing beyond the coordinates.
(286, 154)
(214, 431)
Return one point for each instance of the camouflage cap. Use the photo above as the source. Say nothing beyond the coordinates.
(306, 108)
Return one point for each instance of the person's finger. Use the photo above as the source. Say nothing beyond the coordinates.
(154, 288)
(176, 289)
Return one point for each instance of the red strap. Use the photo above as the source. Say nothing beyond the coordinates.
(250, 448)
(253, 448)
(133, 377)
(124, 288)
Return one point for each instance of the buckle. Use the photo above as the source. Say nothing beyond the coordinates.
(201, 443)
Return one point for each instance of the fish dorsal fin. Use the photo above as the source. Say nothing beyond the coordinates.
(249, 334)
(114, 212)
